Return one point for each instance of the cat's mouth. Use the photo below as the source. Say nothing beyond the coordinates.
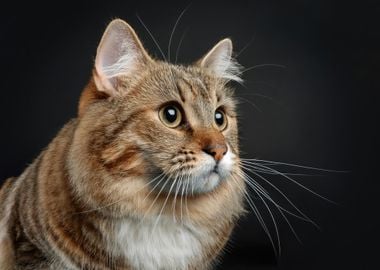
(215, 170)
(202, 177)
(189, 183)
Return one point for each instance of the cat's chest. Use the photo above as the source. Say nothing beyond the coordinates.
(162, 244)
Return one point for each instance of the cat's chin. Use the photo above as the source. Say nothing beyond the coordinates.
(203, 183)
(194, 184)
(209, 183)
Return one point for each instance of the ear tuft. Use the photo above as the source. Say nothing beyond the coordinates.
(219, 60)
(120, 53)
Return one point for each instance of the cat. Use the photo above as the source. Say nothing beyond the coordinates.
(145, 177)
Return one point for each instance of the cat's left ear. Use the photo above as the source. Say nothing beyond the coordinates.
(220, 62)
(120, 54)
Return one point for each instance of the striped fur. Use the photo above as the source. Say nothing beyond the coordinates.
(91, 199)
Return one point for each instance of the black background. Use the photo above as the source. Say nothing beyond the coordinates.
(320, 110)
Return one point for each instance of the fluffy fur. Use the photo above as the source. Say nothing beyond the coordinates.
(117, 188)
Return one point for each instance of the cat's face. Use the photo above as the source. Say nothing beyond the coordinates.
(171, 126)
(184, 126)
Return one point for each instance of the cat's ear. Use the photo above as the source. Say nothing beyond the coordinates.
(220, 62)
(120, 54)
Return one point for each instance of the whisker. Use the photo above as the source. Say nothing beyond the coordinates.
(250, 102)
(181, 204)
(186, 196)
(274, 223)
(303, 215)
(256, 185)
(174, 28)
(293, 165)
(298, 184)
(166, 200)
(155, 199)
(289, 224)
(266, 171)
(258, 215)
(183, 193)
(281, 209)
(192, 190)
(154, 187)
(179, 45)
(151, 35)
(275, 102)
(175, 198)
(246, 46)
(263, 65)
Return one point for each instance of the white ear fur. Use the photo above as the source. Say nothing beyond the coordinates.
(219, 60)
(119, 53)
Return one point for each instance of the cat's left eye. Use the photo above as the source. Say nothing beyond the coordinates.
(171, 116)
(220, 119)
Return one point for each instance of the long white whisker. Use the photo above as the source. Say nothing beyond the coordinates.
(154, 187)
(192, 189)
(246, 46)
(151, 35)
(179, 183)
(263, 65)
(298, 184)
(289, 224)
(274, 223)
(186, 195)
(258, 215)
(182, 191)
(281, 209)
(179, 46)
(248, 181)
(256, 161)
(251, 103)
(303, 215)
(166, 200)
(261, 170)
(257, 185)
(174, 28)
(155, 199)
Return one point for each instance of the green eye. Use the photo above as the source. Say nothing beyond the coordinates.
(171, 116)
(220, 119)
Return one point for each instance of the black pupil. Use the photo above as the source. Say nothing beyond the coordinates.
(171, 114)
(219, 118)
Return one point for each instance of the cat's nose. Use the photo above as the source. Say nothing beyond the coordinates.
(216, 150)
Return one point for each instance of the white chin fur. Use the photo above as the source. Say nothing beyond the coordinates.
(204, 179)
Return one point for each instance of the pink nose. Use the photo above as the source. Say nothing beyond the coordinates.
(216, 150)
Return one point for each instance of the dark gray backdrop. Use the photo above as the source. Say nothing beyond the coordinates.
(319, 110)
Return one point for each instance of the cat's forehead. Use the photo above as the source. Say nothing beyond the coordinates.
(189, 84)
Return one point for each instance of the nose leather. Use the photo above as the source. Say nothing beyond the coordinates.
(216, 150)
(213, 143)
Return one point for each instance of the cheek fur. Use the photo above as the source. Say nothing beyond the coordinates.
(160, 144)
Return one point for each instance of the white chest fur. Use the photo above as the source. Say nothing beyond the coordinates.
(165, 244)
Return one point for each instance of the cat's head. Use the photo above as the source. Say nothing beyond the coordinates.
(144, 118)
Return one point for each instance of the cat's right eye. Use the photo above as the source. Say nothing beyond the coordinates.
(170, 115)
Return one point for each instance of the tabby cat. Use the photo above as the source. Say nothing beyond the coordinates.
(145, 177)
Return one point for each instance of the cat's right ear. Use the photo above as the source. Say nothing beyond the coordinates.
(120, 54)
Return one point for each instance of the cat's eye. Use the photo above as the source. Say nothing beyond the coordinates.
(220, 119)
(170, 115)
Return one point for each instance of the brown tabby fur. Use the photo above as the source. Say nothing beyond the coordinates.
(93, 173)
